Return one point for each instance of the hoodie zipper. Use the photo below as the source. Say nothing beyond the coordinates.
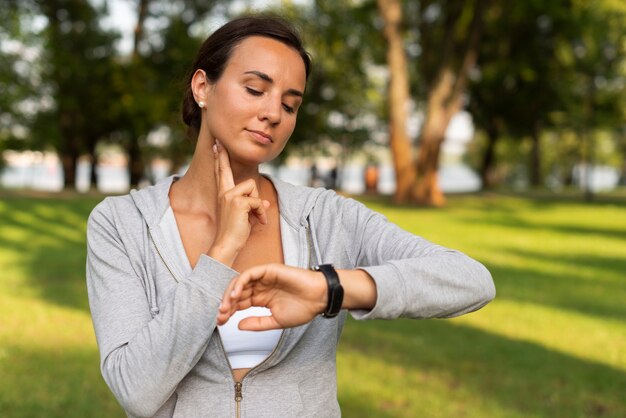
(239, 385)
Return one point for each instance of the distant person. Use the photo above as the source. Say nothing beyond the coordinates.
(371, 178)
(332, 178)
(313, 176)
(223, 292)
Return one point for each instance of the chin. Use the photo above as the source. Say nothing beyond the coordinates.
(253, 156)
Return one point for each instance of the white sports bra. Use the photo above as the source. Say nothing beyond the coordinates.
(244, 349)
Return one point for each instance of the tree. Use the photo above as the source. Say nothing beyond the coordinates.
(77, 59)
(515, 90)
(343, 104)
(547, 67)
(449, 33)
(20, 83)
(150, 83)
(391, 11)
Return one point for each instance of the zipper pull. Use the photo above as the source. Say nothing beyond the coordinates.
(238, 395)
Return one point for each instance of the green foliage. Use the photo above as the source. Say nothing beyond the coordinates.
(552, 344)
(343, 102)
(78, 57)
(556, 66)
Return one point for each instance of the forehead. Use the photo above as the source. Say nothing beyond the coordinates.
(281, 62)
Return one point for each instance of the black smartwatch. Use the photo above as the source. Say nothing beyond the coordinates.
(335, 290)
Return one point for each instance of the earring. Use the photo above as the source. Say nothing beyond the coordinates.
(201, 104)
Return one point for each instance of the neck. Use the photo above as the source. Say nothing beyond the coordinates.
(197, 189)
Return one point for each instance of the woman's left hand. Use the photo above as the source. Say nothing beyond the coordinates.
(294, 295)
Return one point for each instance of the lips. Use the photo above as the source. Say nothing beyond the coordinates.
(260, 136)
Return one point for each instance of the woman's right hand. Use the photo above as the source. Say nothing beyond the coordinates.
(239, 207)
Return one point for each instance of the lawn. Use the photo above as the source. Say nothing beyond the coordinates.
(552, 344)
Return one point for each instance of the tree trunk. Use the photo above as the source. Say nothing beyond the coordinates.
(444, 100)
(69, 160)
(535, 157)
(426, 190)
(142, 12)
(135, 158)
(93, 161)
(391, 12)
(135, 161)
(486, 168)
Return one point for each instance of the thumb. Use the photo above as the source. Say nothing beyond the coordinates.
(258, 323)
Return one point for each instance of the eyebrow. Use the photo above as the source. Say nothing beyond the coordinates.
(270, 80)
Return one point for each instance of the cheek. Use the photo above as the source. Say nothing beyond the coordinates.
(289, 127)
(225, 110)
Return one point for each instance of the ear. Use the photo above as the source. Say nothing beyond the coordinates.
(200, 86)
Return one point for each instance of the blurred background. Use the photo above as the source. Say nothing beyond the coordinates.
(494, 127)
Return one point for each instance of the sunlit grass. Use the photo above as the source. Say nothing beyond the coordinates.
(552, 344)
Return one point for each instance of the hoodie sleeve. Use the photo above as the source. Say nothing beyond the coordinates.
(414, 277)
(143, 359)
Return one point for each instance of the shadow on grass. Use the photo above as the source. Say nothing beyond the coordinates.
(522, 377)
(513, 213)
(47, 239)
(603, 295)
(514, 222)
(62, 382)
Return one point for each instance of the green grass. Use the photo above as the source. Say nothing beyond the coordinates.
(552, 344)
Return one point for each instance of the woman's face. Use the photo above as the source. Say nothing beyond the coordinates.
(252, 108)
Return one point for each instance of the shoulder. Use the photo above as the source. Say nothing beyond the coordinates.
(112, 204)
(331, 203)
(109, 213)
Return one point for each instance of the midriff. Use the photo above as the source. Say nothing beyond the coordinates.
(239, 374)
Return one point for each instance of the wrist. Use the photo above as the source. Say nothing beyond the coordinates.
(334, 299)
(359, 289)
(223, 254)
(320, 291)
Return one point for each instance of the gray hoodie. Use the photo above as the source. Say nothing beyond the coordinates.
(155, 322)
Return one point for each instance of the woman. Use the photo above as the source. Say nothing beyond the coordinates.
(181, 331)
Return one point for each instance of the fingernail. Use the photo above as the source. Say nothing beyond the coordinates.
(215, 148)
(232, 294)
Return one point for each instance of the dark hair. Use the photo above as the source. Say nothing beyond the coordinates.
(218, 48)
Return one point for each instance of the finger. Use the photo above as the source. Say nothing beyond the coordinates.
(238, 289)
(261, 213)
(225, 177)
(246, 188)
(227, 299)
(258, 323)
(250, 188)
(253, 206)
(216, 165)
(246, 279)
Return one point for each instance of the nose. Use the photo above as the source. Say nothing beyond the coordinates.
(271, 110)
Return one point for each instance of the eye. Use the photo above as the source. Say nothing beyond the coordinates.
(254, 92)
(288, 108)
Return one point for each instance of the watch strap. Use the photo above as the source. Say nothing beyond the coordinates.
(335, 290)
